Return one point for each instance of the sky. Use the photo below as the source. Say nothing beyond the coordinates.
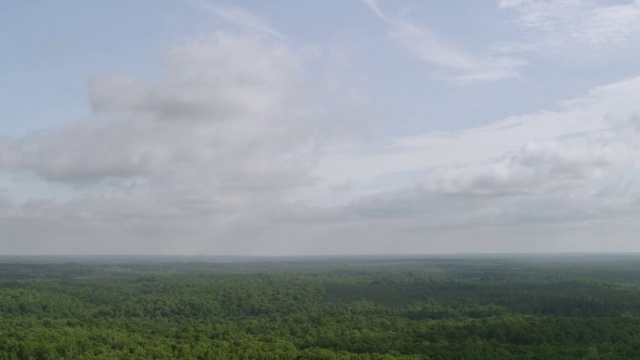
(285, 127)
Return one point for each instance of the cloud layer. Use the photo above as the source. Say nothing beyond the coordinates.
(251, 143)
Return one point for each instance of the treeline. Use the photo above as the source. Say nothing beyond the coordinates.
(332, 309)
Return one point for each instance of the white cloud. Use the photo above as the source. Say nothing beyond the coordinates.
(233, 125)
(489, 76)
(577, 26)
(223, 96)
(554, 173)
(428, 47)
(211, 78)
(217, 183)
(239, 16)
(373, 4)
(463, 67)
(540, 167)
(592, 114)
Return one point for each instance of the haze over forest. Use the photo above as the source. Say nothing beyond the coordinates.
(319, 127)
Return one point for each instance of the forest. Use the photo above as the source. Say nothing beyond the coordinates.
(444, 307)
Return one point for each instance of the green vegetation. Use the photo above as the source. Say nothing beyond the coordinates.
(579, 307)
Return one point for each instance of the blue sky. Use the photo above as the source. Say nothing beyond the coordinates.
(319, 127)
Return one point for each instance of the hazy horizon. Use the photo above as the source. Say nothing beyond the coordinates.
(329, 128)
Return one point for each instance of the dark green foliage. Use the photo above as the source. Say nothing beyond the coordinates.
(524, 308)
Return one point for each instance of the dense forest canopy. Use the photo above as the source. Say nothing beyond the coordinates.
(520, 307)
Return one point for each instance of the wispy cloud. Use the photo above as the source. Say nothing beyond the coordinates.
(589, 26)
(240, 17)
(427, 46)
(550, 171)
(376, 9)
(480, 77)
(430, 48)
(588, 132)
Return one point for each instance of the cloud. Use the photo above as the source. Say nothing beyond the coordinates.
(571, 26)
(223, 96)
(240, 17)
(188, 162)
(241, 147)
(556, 171)
(211, 78)
(376, 9)
(538, 168)
(488, 76)
(592, 114)
(463, 67)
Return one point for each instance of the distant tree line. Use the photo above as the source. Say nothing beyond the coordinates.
(333, 309)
